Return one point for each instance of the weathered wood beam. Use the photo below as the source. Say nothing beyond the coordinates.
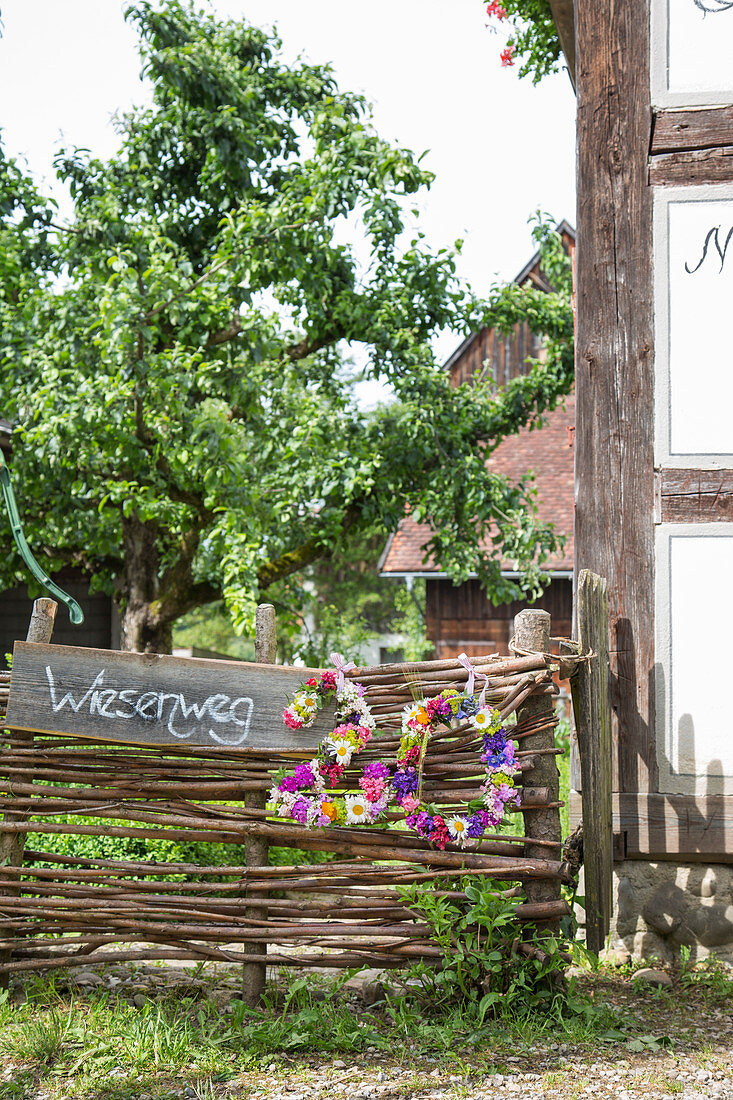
(692, 128)
(694, 496)
(692, 166)
(593, 725)
(564, 17)
(614, 441)
(694, 828)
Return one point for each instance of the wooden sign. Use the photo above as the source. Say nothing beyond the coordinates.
(149, 699)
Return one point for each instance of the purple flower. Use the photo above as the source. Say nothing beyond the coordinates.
(477, 823)
(303, 776)
(494, 742)
(405, 782)
(423, 823)
(377, 770)
(289, 783)
(300, 810)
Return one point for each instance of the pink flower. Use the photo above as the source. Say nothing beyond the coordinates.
(412, 756)
(495, 9)
(364, 734)
(372, 788)
(439, 835)
(410, 803)
(332, 771)
(292, 720)
(507, 57)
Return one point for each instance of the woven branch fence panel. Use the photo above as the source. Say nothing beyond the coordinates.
(64, 911)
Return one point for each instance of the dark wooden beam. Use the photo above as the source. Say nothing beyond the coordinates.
(704, 128)
(692, 166)
(614, 360)
(564, 16)
(694, 496)
(669, 826)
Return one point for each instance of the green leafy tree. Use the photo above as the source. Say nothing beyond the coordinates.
(172, 357)
(534, 38)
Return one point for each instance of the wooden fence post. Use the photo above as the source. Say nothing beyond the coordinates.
(532, 633)
(593, 727)
(12, 845)
(254, 974)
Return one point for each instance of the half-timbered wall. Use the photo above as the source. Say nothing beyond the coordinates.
(654, 441)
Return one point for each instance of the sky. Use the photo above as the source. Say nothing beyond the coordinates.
(500, 147)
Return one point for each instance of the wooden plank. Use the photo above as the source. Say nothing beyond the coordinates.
(695, 496)
(676, 824)
(532, 634)
(697, 828)
(150, 699)
(563, 15)
(254, 975)
(614, 530)
(692, 167)
(704, 128)
(593, 726)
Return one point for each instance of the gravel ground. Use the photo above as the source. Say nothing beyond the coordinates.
(680, 1044)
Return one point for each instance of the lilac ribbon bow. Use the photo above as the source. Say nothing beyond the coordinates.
(341, 665)
(472, 674)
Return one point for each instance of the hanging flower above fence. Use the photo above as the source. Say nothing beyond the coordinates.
(303, 795)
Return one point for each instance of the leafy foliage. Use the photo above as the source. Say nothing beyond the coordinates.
(534, 38)
(173, 358)
(483, 961)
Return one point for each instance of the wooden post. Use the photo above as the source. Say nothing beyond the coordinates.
(254, 974)
(593, 726)
(12, 845)
(614, 360)
(532, 632)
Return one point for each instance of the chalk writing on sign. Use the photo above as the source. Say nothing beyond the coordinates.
(713, 6)
(714, 237)
(156, 700)
(182, 719)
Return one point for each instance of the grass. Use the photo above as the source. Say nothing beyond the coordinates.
(74, 1044)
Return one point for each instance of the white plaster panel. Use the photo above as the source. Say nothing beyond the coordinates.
(694, 617)
(693, 347)
(692, 52)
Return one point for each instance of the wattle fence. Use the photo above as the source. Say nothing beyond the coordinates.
(65, 911)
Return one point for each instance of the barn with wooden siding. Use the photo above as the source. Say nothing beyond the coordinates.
(459, 618)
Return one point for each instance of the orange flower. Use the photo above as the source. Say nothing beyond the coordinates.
(423, 717)
(329, 809)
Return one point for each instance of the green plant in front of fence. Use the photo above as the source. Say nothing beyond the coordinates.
(485, 960)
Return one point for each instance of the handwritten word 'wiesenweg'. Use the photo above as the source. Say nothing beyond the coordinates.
(714, 235)
(182, 719)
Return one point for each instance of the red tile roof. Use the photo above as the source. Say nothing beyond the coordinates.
(549, 452)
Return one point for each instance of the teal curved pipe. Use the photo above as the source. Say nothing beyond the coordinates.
(75, 612)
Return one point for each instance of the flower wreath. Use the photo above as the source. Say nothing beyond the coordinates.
(302, 795)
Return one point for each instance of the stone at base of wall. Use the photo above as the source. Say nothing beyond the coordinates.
(658, 907)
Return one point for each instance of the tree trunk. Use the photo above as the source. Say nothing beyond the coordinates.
(143, 631)
(146, 628)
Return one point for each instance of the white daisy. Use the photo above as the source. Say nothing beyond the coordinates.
(458, 829)
(339, 748)
(358, 810)
(485, 719)
(411, 712)
(306, 702)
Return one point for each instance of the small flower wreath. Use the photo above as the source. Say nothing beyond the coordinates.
(301, 794)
